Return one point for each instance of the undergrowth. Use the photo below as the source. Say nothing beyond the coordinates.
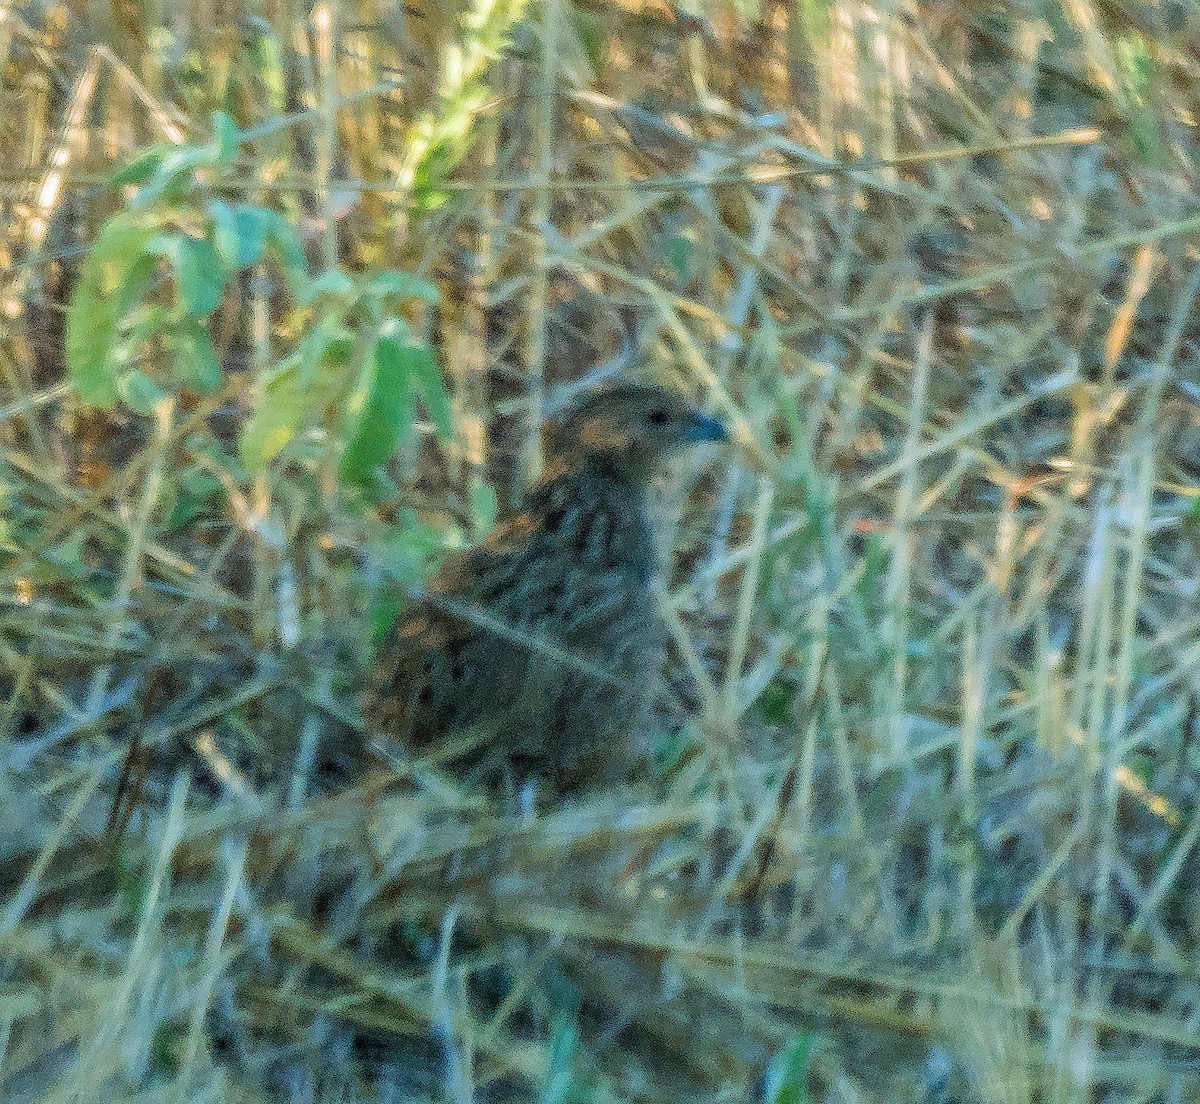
(287, 298)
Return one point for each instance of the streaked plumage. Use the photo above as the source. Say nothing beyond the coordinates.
(541, 647)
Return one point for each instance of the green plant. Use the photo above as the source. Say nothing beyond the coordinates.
(160, 267)
(358, 368)
(786, 1081)
(442, 136)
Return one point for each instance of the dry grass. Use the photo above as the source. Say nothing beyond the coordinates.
(925, 821)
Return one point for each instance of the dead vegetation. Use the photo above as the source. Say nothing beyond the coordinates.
(923, 820)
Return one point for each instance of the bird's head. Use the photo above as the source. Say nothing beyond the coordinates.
(634, 427)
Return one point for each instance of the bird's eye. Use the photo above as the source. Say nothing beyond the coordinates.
(658, 416)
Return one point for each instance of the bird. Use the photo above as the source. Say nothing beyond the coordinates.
(536, 654)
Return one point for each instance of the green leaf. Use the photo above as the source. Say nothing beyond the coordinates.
(163, 244)
(142, 322)
(560, 1060)
(193, 357)
(334, 283)
(670, 749)
(225, 139)
(329, 343)
(409, 553)
(813, 18)
(139, 391)
(403, 285)
(224, 233)
(239, 233)
(678, 251)
(1135, 63)
(175, 164)
(591, 32)
(197, 489)
(285, 401)
(282, 235)
(252, 233)
(380, 410)
(428, 384)
(140, 169)
(382, 615)
(786, 1081)
(114, 275)
(199, 275)
(69, 553)
(305, 382)
(777, 701)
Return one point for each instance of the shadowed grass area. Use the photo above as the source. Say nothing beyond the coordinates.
(921, 820)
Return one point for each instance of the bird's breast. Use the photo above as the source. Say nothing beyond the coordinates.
(599, 525)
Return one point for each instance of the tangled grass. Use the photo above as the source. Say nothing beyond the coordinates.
(922, 825)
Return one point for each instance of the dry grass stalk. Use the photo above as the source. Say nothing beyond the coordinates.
(926, 786)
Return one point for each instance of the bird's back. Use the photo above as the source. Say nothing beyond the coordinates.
(543, 641)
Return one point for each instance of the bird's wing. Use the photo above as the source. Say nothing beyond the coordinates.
(417, 684)
(505, 622)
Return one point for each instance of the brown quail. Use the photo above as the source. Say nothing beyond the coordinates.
(540, 649)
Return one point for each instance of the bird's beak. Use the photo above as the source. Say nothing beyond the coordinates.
(702, 427)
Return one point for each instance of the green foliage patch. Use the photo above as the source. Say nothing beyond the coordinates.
(138, 333)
